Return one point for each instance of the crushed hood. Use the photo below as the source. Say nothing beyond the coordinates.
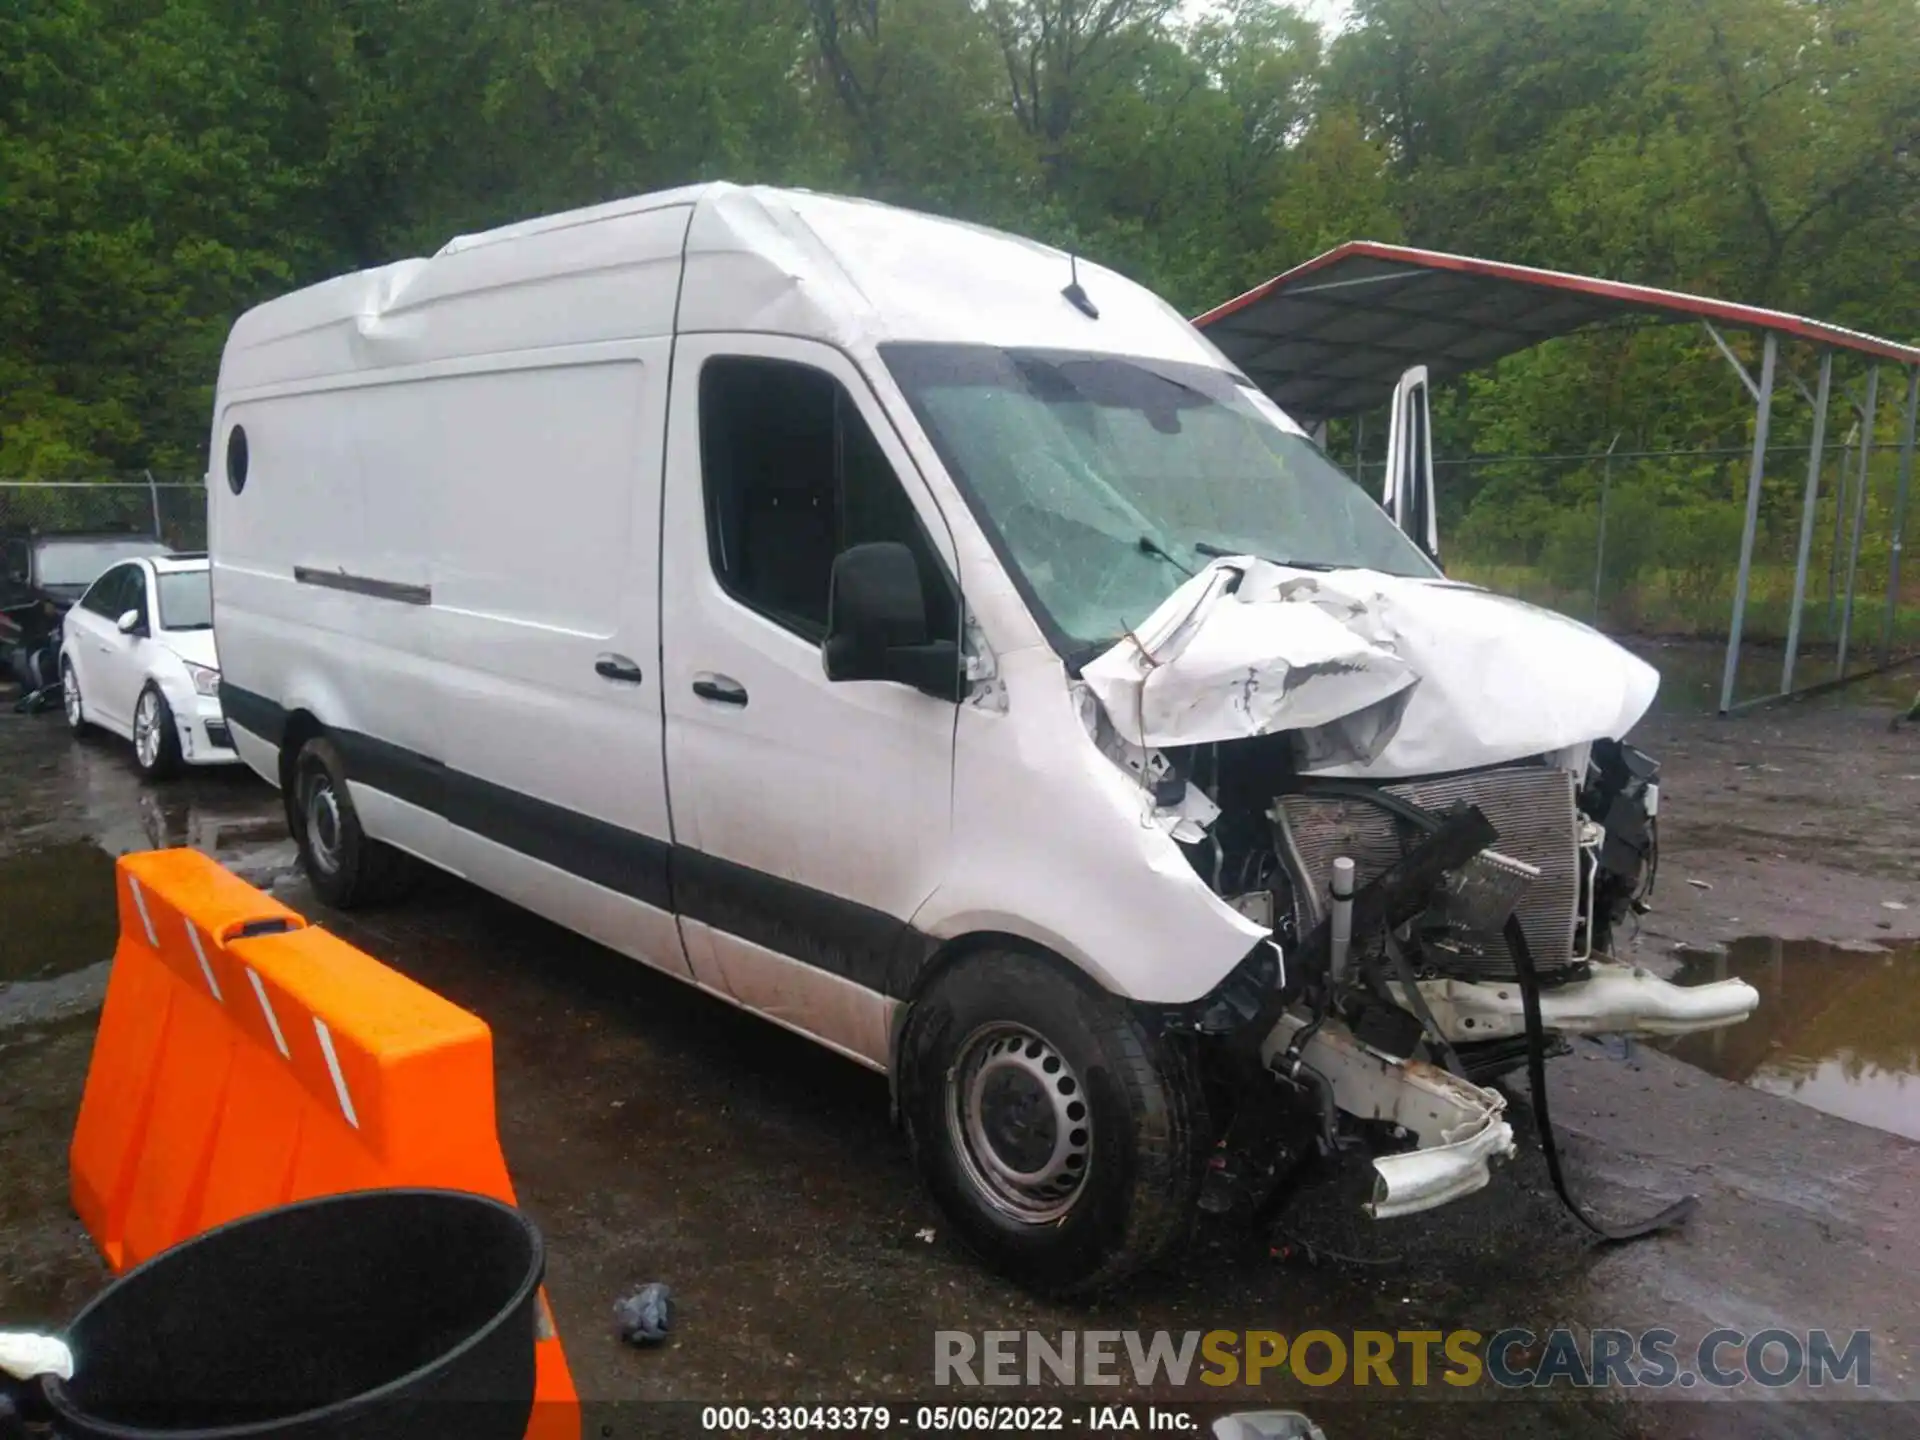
(1382, 676)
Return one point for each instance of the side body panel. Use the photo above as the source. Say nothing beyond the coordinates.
(813, 818)
(111, 676)
(449, 521)
(546, 614)
(83, 645)
(322, 588)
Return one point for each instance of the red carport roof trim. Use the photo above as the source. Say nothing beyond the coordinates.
(1638, 297)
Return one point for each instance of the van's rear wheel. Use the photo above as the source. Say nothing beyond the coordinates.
(346, 867)
(1064, 1141)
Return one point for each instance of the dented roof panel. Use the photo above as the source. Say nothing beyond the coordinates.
(850, 273)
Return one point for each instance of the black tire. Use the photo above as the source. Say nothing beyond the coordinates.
(78, 725)
(348, 869)
(1130, 1201)
(159, 760)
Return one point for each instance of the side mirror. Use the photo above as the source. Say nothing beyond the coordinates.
(877, 623)
(131, 623)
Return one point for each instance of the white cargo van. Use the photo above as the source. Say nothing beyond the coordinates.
(930, 643)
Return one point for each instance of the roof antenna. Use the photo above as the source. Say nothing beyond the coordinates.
(1076, 296)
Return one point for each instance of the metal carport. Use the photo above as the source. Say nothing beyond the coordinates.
(1330, 338)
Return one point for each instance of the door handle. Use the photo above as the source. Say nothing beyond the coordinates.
(617, 667)
(721, 688)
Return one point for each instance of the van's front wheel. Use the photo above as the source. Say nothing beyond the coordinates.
(1063, 1139)
(347, 868)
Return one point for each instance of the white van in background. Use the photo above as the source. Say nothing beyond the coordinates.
(930, 643)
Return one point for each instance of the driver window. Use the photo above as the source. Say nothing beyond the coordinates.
(792, 477)
(104, 597)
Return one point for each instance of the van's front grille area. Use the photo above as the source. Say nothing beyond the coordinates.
(1531, 806)
(218, 737)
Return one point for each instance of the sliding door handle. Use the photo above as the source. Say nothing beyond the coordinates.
(617, 667)
(722, 689)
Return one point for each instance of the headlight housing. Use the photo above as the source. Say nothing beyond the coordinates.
(206, 680)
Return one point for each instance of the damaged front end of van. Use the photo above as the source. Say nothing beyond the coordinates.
(1420, 790)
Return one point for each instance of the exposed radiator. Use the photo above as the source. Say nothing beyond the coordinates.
(1532, 807)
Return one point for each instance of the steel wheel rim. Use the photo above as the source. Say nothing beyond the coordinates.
(1019, 1121)
(146, 729)
(323, 823)
(70, 695)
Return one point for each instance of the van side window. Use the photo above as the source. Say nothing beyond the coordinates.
(793, 476)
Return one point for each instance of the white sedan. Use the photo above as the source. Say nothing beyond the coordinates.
(137, 658)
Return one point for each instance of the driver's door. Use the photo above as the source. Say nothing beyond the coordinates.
(811, 819)
(1408, 493)
(104, 657)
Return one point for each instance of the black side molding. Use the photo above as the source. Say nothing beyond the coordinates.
(253, 713)
(841, 937)
(395, 590)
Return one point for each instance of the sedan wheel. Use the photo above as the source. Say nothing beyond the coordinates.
(70, 699)
(156, 743)
(146, 730)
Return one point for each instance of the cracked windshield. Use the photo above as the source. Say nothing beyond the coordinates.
(1111, 480)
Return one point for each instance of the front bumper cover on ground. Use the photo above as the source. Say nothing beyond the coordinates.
(1460, 1126)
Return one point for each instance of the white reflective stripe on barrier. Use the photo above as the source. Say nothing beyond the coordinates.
(140, 904)
(193, 936)
(333, 1068)
(266, 1008)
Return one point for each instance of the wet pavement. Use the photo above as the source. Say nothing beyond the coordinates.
(1838, 1027)
(51, 899)
(655, 1133)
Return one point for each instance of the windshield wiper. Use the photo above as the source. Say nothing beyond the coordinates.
(1220, 552)
(1150, 546)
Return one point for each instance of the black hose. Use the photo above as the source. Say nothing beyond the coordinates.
(1675, 1213)
(1323, 1097)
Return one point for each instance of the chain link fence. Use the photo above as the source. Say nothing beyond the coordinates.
(173, 510)
(1648, 541)
(1639, 541)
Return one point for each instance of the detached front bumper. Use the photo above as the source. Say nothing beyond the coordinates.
(1461, 1127)
(204, 737)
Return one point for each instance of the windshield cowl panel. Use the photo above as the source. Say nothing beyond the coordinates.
(1104, 482)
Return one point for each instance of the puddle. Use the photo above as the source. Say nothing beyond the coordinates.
(56, 910)
(1837, 1030)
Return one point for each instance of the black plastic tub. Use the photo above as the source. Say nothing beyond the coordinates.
(389, 1313)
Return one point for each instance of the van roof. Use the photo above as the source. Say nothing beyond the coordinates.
(852, 273)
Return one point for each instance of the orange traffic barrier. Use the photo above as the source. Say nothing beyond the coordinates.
(246, 1060)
